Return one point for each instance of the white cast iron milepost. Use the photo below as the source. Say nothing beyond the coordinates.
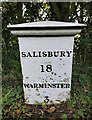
(46, 52)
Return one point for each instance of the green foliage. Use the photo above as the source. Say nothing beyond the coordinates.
(11, 95)
(82, 50)
(43, 104)
(64, 116)
(74, 116)
(41, 116)
(12, 99)
(81, 91)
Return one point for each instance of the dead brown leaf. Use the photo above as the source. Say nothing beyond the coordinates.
(12, 108)
(85, 89)
(51, 118)
(52, 109)
(17, 111)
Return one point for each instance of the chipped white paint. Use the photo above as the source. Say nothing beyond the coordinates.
(61, 68)
(46, 61)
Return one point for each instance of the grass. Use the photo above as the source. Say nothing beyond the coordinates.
(79, 106)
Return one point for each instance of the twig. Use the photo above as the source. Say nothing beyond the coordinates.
(10, 91)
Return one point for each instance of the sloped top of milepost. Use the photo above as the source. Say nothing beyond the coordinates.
(46, 28)
(46, 25)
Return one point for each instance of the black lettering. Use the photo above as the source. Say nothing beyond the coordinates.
(39, 52)
(54, 85)
(68, 52)
(50, 54)
(49, 68)
(49, 85)
(62, 53)
(35, 85)
(61, 85)
(34, 54)
(44, 54)
(47, 54)
(42, 68)
(31, 85)
(26, 85)
(64, 85)
(23, 54)
(28, 54)
(45, 85)
(56, 53)
(41, 85)
(67, 85)
(57, 85)
(46, 99)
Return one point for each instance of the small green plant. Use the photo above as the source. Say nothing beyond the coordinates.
(9, 101)
(81, 113)
(43, 104)
(41, 116)
(64, 116)
(74, 116)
